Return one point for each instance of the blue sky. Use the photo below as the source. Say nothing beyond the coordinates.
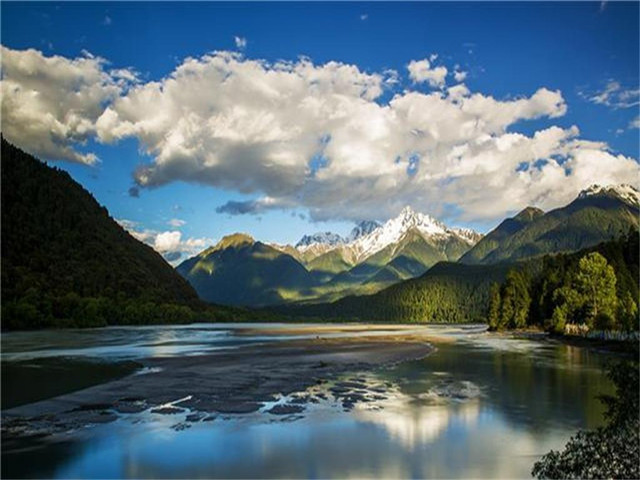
(588, 52)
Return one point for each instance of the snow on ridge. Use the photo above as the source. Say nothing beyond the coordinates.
(322, 238)
(624, 191)
(396, 228)
(368, 238)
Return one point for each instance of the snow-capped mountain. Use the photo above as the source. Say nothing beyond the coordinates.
(625, 192)
(362, 229)
(329, 239)
(323, 238)
(369, 237)
(395, 229)
(470, 236)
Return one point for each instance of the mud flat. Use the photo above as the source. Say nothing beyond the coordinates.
(231, 382)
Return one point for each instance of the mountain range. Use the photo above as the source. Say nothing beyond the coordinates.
(325, 266)
(88, 271)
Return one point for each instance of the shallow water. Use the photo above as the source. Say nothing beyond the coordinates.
(480, 406)
(130, 343)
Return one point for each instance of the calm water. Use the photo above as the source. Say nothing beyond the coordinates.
(512, 401)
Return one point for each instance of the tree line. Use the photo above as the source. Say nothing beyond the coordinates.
(596, 288)
(67, 263)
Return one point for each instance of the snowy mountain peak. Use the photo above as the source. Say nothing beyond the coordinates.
(361, 229)
(324, 238)
(470, 236)
(410, 218)
(625, 192)
(369, 237)
(396, 228)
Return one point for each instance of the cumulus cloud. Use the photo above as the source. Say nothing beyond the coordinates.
(51, 104)
(294, 134)
(169, 244)
(635, 123)
(241, 42)
(422, 71)
(167, 241)
(614, 95)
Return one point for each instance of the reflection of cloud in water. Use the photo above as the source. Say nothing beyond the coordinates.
(412, 422)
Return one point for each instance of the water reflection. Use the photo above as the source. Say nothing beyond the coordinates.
(411, 426)
(478, 407)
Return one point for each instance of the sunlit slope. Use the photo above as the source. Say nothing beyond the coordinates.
(241, 271)
(597, 215)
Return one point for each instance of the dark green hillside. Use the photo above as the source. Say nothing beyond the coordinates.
(66, 262)
(331, 262)
(447, 293)
(493, 239)
(597, 287)
(585, 222)
(240, 271)
(525, 292)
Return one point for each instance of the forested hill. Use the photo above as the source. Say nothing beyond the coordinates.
(598, 214)
(542, 291)
(66, 262)
(447, 293)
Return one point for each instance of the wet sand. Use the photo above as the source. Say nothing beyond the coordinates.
(228, 382)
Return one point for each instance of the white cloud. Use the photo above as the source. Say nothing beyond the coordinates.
(614, 95)
(168, 243)
(176, 223)
(301, 135)
(125, 74)
(364, 16)
(241, 42)
(635, 123)
(107, 21)
(422, 71)
(459, 75)
(51, 104)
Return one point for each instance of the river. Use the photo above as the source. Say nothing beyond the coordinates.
(481, 405)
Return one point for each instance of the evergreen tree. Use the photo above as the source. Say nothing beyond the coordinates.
(522, 299)
(516, 301)
(493, 317)
(628, 313)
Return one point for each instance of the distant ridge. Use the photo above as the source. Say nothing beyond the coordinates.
(241, 271)
(597, 214)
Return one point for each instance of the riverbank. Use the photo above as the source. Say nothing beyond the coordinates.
(620, 347)
(230, 382)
